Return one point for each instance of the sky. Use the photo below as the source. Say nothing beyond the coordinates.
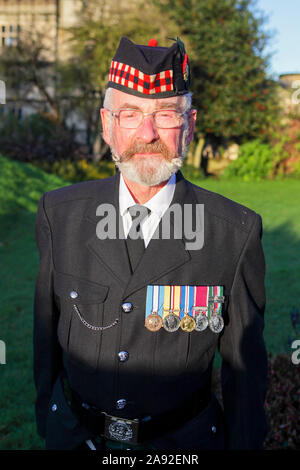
(284, 21)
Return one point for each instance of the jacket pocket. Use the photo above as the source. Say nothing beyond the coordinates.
(81, 304)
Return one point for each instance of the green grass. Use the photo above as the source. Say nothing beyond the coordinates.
(20, 189)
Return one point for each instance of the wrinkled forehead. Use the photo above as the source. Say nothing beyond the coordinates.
(125, 100)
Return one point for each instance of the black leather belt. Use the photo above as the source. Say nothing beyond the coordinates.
(136, 431)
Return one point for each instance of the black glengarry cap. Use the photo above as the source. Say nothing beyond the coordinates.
(150, 71)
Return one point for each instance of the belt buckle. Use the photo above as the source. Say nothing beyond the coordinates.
(120, 429)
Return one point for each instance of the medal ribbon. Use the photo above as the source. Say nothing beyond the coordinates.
(161, 300)
(155, 298)
(218, 305)
(182, 300)
(201, 298)
(167, 301)
(189, 299)
(194, 300)
(186, 303)
(149, 301)
(210, 304)
(176, 300)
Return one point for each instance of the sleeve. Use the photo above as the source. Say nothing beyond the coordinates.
(47, 352)
(244, 371)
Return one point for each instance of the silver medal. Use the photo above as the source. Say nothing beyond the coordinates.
(171, 322)
(216, 323)
(201, 322)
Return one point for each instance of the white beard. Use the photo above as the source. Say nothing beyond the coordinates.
(150, 171)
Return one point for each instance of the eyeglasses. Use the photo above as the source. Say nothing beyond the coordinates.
(162, 119)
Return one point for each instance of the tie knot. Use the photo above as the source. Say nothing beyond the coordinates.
(138, 211)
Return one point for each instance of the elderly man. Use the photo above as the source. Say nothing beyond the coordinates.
(143, 276)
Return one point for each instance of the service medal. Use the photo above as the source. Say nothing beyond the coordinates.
(153, 322)
(171, 322)
(187, 323)
(200, 316)
(201, 322)
(216, 323)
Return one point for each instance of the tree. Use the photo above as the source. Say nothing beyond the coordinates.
(31, 74)
(235, 98)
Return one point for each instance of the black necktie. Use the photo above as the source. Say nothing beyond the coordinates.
(135, 241)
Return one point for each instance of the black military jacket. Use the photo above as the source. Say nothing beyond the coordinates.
(163, 369)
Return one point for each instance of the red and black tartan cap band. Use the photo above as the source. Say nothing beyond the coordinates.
(150, 71)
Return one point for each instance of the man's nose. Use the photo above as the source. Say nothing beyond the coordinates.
(147, 130)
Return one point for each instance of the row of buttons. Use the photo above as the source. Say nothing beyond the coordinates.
(123, 356)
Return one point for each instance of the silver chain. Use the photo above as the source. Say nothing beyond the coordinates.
(92, 327)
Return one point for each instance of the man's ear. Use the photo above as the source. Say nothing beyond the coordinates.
(192, 116)
(105, 116)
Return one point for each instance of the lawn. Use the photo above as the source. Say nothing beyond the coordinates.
(21, 186)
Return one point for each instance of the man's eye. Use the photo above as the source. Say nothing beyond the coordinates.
(166, 114)
(129, 114)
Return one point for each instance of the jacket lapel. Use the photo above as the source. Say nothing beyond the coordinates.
(112, 253)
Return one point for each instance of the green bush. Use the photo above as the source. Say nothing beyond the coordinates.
(190, 172)
(78, 170)
(296, 169)
(257, 161)
(36, 136)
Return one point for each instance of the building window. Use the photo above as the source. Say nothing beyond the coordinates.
(14, 35)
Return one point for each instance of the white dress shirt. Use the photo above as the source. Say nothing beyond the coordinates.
(158, 205)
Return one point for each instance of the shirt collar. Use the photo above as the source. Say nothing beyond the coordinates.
(157, 204)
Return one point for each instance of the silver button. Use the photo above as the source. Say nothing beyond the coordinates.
(214, 429)
(54, 407)
(121, 404)
(73, 294)
(127, 307)
(85, 405)
(123, 356)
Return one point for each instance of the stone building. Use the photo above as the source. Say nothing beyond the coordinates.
(49, 17)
